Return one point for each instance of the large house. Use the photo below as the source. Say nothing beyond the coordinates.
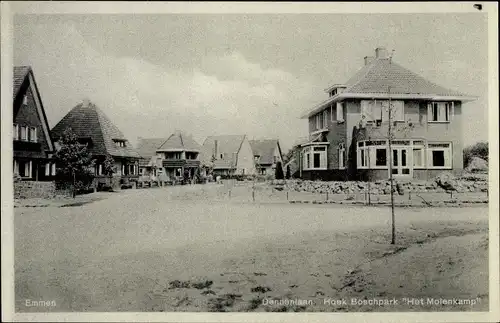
(348, 132)
(228, 155)
(267, 154)
(150, 164)
(179, 155)
(103, 138)
(32, 144)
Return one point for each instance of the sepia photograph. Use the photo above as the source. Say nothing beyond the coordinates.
(250, 163)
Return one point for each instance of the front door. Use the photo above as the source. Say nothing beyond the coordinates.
(401, 163)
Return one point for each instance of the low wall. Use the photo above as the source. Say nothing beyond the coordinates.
(33, 189)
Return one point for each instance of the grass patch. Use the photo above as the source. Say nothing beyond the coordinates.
(260, 289)
(202, 285)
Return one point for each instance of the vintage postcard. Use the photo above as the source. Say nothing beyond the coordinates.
(234, 162)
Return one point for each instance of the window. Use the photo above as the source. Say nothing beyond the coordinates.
(16, 167)
(333, 113)
(362, 155)
(15, 135)
(340, 111)
(32, 134)
(315, 157)
(377, 111)
(24, 169)
(440, 111)
(325, 118)
(341, 155)
(320, 121)
(47, 169)
(439, 155)
(53, 168)
(120, 143)
(380, 157)
(24, 133)
(25, 100)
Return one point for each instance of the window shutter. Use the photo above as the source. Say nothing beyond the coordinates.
(340, 111)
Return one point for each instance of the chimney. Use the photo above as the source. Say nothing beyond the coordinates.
(368, 59)
(381, 53)
(216, 149)
(86, 103)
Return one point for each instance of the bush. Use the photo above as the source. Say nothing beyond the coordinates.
(479, 149)
(279, 171)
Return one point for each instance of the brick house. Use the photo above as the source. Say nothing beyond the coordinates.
(348, 132)
(180, 156)
(267, 153)
(32, 143)
(103, 138)
(228, 155)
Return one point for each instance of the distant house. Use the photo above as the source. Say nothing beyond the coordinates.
(180, 156)
(150, 163)
(348, 131)
(228, 155)
(103, 138)
(32, 143)
(267, 153)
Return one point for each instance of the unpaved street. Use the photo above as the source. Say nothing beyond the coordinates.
(149, 250)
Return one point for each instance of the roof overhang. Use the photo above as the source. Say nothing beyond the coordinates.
(395, 96)
(177, 150)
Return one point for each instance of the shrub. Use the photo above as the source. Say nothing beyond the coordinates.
(479, 149)
(279, 171)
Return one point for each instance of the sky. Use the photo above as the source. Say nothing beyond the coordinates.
(207, 74)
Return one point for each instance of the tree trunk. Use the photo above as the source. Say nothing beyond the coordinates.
(74, 184)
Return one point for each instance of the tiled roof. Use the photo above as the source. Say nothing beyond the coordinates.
(147, 146)
(264, 149)
(377, 76)
(229, 146)
(178, 141)
(20, 73)
(88, 121)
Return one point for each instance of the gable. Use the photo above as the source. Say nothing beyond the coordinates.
(33, 113)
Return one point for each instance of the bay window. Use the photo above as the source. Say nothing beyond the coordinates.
(440, 111)
(314, 157)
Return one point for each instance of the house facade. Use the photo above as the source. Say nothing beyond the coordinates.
(228, 155)
(267, 153)
(32, 143)
(150, 164)
(349, 132)
(103, 138)
(180, 157)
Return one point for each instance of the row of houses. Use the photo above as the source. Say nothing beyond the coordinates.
(178, 156)
(348, 134)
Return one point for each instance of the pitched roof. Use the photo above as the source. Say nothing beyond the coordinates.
(380, 74)
(265, 149)
(23, 79)
(178, 141)
(228, 145)
(375, 78)
(147, 146)
(20, 73)
(88, 121)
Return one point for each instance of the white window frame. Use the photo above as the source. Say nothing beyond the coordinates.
(340, 112)
(53, 166)
(25, 137)
(448, 155)
(32, 134)
(341, 150)
(47, 169)
(308, 157)
(419, 146)
(15, 135)
(445, 111)
(332, 119)
(30, 169)
(373, 157)
(362, 155)
(16, 167)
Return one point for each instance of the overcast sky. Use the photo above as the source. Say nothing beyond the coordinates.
(238, 74)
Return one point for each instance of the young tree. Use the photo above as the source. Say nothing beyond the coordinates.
(288, 175)
(73, 160)
(109, 168)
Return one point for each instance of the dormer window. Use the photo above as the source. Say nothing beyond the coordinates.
(25, 100)
(120, 143)
(256, 158)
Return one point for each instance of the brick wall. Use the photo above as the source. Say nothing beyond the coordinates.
(33, 189)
